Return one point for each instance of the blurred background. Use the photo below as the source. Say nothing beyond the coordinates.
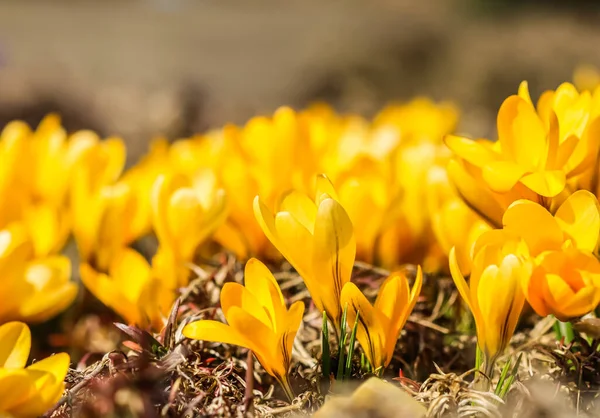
(142, 68)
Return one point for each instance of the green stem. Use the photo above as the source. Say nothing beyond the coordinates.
(326, 353)
(564, 330)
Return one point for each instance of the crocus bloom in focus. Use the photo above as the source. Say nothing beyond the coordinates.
(317, 238)
(379, 325)
(27, 391)
(539, 149)
(494, 293)
(257, 319)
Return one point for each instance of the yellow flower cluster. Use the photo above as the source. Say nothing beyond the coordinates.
(378, 168)
(538, 186)
(317, 238)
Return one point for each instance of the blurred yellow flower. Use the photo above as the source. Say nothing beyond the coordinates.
(317, 238)
(129, 288)
(31, 289)
(494, 293)
(453, 223)
(379, 325)
(538, 149)
(27, 391)
(96, 201)
(36, 193)
(184, 214)
(257, 319)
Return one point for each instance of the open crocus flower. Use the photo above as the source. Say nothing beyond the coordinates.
(379, 325)
(27, 391)
(494, 293)
(184, 214)
(317, 238)
(564, 283)
(257, 319)
(31, 289)
(129, 288)
(538, 149)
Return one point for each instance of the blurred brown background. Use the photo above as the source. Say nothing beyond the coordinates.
(174, 67)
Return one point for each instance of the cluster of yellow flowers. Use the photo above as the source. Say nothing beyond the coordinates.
(317, 238)
(537, 185)
(519, 215)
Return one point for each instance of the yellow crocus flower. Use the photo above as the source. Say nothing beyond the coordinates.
(27, 391)
(453, 223)
(369, 199)
(489, 205)
(564, 283)
(129, 288)
(379, 325)
(31, 289)
(494, 293)
(93, 197)
(539, 149)
(184, 214)
(36, 193)
(317, 239)
(257, 319)
(566, 278)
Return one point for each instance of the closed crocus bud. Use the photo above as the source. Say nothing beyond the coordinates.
(494, 294)
(379, 325)
(317, 238)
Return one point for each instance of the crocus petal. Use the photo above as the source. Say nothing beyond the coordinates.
(16, 343)
(517, 120)
(236, 295)
(304, 209)
(583, 302)
(470, 150)
(579, 217)
(459, 280)
(556, 291)
(214, 331)
(18, 383)
(295, 243)
(370, 333)
(475, 194)
(264, 340)
(534, 224)
(532, 286)
(545, 183)
(502, 176)
(324, 187)
(261, 283)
